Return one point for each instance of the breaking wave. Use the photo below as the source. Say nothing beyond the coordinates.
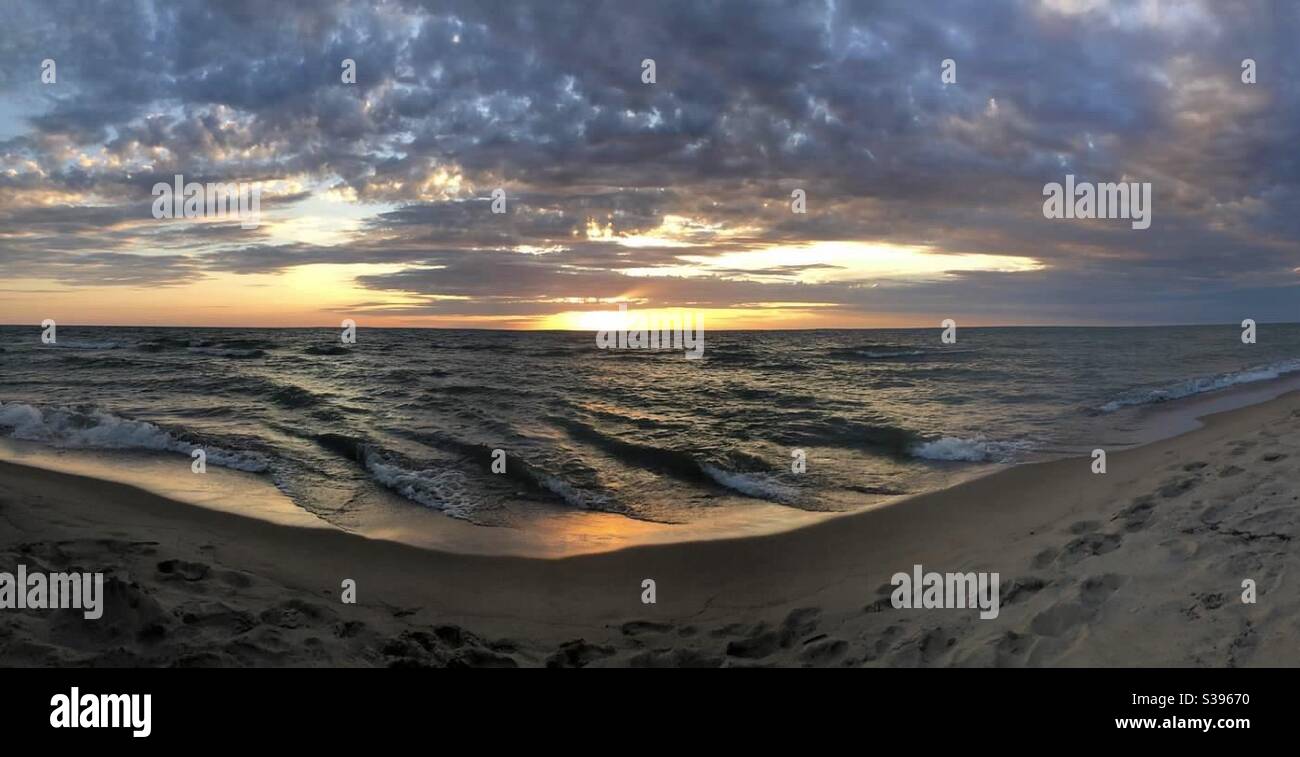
(1201, 385)
(955, 449)
(94, 429)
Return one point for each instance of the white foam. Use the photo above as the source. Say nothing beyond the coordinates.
(1203, 384)
(573, 495)
(96, 429)
(952, 448)
(445, 490)
(758, 485)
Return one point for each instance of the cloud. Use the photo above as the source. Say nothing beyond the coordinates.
(752, 100)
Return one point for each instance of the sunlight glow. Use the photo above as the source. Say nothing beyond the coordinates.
(823, 262)
(721, 319)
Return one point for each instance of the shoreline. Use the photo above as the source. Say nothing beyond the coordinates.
(1096, 569)
(567, 533)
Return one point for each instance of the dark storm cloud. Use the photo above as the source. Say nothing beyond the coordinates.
(753, 99)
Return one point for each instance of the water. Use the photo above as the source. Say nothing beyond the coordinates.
(643, 435)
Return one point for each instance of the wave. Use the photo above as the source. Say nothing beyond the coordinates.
(757, 485)
(483, 346)
(225, 352)
(577, 483)
(293, 397)
(776, 397)
(837, 431)
(624, 416)
(236, 343)
(726, 358)
(285, 395)
(473, 389)
(1201, 385)
(447, 489)
(443, 490)
(956, 449)
(329, 349)
(555, 352)
(880, 352)
(673, 462)
(577, 496)
(85, 345)
(753, 481)
(86, 359)
(726, 355)
(162, 344)
(879, 489)
(94, 429)
(406, 375)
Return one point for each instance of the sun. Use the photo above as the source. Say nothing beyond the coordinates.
(588, 320)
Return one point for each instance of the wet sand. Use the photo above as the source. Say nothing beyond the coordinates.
(1142, 565)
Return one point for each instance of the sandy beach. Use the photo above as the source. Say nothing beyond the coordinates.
(1140, 566)
(582, 333)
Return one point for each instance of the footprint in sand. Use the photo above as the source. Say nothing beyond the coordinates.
(823, 652)
(925, 647)
(764, 641)
(1214, 513)
(934, 643)
(297, 614)
(1044, 558)
(755, 647)
(447, 646)
(880, 605)
(1178, 486)
(1067, 617)
(190, 571)
(129, 612)
(1022, 587)
(1012, 648)
(1097, 589)
(799, 623)
(638, 627)
(1207, 601)
(1089, 545)
(1137, 514)
(216, 616)
(883, 641)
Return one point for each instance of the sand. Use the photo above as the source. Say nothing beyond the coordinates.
(1140, 566)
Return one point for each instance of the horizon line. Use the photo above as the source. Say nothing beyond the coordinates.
(591, 331)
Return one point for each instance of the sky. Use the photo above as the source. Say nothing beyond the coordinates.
(919, 135)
